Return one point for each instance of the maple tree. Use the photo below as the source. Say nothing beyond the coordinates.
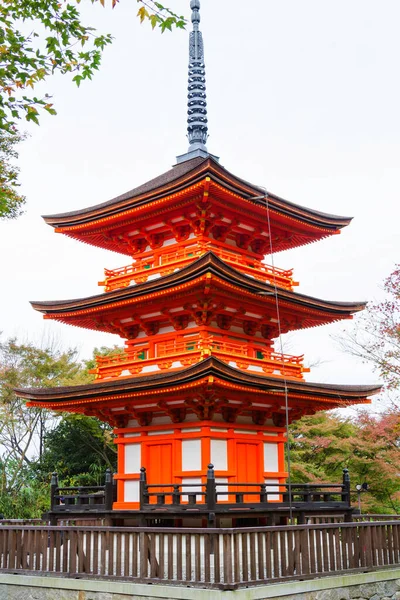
(322, 445)
(57, 41)
(376, 335)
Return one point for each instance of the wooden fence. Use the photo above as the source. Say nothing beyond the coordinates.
(222, 558)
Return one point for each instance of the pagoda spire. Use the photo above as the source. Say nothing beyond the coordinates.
(197, 98)
(197, 102)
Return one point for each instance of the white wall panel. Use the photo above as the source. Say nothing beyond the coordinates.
(222, 488)
(132, 458)
(272, 488)
(131, 492)
(219, 454)
(191, 455)
(271, 457)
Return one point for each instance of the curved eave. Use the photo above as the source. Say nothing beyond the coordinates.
(176, 180)
(209, 264)
(212, 370)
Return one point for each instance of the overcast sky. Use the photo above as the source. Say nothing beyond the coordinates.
(303, 99)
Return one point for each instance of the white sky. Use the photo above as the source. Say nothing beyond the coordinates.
(303, 98)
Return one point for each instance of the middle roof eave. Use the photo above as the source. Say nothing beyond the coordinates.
(209, 263)
(210, 367)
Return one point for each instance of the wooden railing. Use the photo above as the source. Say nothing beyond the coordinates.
(98, 498)
(211, 558)
(166, 261)
(192, 350)
(230, 499)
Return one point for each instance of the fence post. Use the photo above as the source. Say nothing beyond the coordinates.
(346, 487)
(144, 496)
(211, 492)
(108, 490)
(53, 488)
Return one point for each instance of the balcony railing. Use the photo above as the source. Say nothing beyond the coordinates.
(180, 353)
(165, 262)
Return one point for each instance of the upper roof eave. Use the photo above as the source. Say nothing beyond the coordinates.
(168, 182)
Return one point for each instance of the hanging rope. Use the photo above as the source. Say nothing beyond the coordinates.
(289, 480)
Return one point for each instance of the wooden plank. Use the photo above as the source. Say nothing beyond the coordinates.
(161, 556)
(25, 550)
(188, 557)
(79, 547)
(207, 557)
(2, 536)
(12, 549)
(227, 547)
(236, 558)
(87, 556)
(118, 558)
(95, 553)
(396, 545)
(304, 552)
(331, 548)
(325, 552)
(144, 551)
(386, 541)
(275, 554)
(361, 547)
(261, 561)
(103, 546)
(379, 545)
(253, 556)
(126, 540)
(135, 553)
(245, 562)
(179, 557)
(153, 555)
(18, 556)
(197, 558)
(217, 570)
(312, 537)
(297, 566)
(51, 550)
(318, 546)
(110, 540)
(72, 552)
(65, 552)
(338, 557)
(291, 552)
(170, 557)
(283, 553)
(268, 561)
(37, 548)
(374, 546)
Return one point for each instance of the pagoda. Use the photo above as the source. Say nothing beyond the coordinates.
(199, 308)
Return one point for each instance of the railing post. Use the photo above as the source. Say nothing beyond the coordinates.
(263, 493)
(346, 487)
(144, 496)
(53, 489)
(211, 491)
(176, 498)
(108, 490)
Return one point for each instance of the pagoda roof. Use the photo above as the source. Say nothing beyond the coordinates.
(180, 177)
(211, 371)
(263, 294)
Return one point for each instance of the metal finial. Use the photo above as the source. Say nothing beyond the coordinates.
(197, 105)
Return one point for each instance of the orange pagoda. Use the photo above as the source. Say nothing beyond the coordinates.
(199, 380)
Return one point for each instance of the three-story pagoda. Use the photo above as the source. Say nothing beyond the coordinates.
(199, 308)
